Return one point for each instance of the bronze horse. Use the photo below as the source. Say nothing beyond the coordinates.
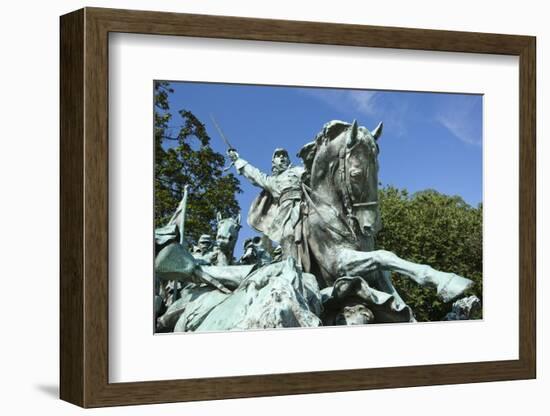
(226, 237)
(342, 215)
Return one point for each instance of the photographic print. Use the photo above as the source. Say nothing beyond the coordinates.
(284, 206)
(235, 202)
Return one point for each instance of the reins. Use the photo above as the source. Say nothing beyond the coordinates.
(345, 181)
(347, 196)
(306, 190)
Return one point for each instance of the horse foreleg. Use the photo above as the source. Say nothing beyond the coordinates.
(361, 263)
(386, 285)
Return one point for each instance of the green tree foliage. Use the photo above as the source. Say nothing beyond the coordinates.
(435, 229)
(183, 156)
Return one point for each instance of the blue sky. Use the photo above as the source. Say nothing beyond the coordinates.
(430, 140)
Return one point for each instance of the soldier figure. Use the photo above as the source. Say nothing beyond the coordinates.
(276, 211)
(255, 252)
(204, 251)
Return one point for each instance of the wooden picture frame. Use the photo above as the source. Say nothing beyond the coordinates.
(84, 207)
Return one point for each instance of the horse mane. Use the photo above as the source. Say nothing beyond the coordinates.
(330, 131)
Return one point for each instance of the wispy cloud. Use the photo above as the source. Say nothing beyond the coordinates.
(458, 114)
(372, 104)
(456, 126)
(463, 119)
(364, 101)
(345, 100)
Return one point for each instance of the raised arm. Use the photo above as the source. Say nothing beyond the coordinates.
(253, 174)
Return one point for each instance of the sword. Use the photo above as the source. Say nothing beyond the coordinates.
(229, 146)
(183, 211)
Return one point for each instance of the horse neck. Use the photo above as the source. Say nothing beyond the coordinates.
(230, 248)
(325, 191)
(225, 257)
(328, 204)
(331, 224)
(327, 196)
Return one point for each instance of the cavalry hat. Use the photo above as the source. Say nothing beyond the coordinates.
(251, 241)
(279, 151)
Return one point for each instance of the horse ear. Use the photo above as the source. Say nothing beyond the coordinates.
(377, 132)
(352, 135)
(218, 216)
(238, 218)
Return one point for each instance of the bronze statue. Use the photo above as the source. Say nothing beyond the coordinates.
(276, 211)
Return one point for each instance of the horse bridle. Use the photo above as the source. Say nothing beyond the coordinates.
(345, 180)
(349, 205)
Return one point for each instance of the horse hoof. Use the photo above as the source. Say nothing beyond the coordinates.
(454, 286)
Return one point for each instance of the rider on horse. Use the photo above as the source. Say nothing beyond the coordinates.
(276, 211)
(205, 250)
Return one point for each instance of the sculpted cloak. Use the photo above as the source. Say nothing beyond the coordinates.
(276, 211)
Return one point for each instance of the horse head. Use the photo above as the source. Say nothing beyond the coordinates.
(343, 167)
(227, 232)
